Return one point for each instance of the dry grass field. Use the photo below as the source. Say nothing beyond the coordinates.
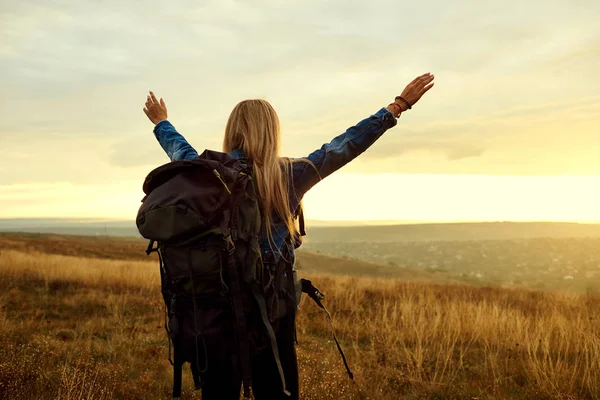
(81, 318)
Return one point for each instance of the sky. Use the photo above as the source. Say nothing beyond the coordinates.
(510, 131)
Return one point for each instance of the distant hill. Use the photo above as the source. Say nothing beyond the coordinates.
(94, 227)
(134, 249)
(451, 232)
(329, 232)
(102, 227)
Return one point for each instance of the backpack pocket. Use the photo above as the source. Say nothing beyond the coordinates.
(196, 270)
(184, 199)
(169, 222)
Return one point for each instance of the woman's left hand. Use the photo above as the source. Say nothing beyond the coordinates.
(155, 110)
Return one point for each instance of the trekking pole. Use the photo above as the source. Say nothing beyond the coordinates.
(317, 296)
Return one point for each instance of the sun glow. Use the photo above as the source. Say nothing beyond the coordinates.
(355, 197)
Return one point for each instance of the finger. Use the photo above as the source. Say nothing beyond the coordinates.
(153, 97)
(425, 80)
(414, 81)
(146, 112)
(162, 103)
(428, 87)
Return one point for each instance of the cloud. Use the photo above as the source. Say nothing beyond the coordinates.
(136, 151)
(452, 151)
(144, 150)
(74, 160)
(75, 75)
(516, 90)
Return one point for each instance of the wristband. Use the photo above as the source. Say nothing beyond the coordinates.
(399, 108)
(404, 100)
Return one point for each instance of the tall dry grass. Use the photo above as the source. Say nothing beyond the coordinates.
(79, 328)
(443, 338)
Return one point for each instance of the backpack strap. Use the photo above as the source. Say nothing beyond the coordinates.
(260, 301)
(196, 365)
(238, 311)
(290, 292)
(196, 376)
(177, 365)
(166, 284)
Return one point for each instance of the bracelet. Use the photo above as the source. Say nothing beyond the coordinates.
(404, 100)
(399, 108)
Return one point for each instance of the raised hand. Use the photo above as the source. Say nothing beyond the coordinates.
(414, 90)
(155, 110)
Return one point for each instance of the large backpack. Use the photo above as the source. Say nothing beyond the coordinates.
(202, 217)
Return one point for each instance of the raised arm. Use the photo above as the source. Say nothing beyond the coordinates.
(341, 150)
(350, 144)
(172, 142)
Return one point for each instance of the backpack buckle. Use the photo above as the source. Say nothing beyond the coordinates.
(230, 245)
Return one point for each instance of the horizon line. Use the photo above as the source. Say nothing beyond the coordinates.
(361, 222)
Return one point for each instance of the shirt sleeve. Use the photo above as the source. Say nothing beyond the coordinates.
(341, 150)
(173, 143)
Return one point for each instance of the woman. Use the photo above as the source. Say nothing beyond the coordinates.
(252, 132)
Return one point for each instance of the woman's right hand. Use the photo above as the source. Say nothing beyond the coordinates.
(155, 110)
(414, 90)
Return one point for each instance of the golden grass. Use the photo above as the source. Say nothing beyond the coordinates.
(83, 328)
(444, 336)
(94, 271)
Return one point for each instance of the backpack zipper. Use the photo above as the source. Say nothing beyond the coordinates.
(221, 179)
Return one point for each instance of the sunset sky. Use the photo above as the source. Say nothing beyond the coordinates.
(511, 130)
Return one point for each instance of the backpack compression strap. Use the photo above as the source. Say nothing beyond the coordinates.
(176, 361)
(238, 312)
(260, 300)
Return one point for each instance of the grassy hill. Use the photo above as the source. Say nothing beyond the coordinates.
(541, 263)
(133, 249)
(82, 317)
(323, 232)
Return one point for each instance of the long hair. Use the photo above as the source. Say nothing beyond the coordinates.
(253, 127)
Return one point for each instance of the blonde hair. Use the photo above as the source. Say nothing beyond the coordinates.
(253, 127)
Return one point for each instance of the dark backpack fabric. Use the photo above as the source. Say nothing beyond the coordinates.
(204, 219)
